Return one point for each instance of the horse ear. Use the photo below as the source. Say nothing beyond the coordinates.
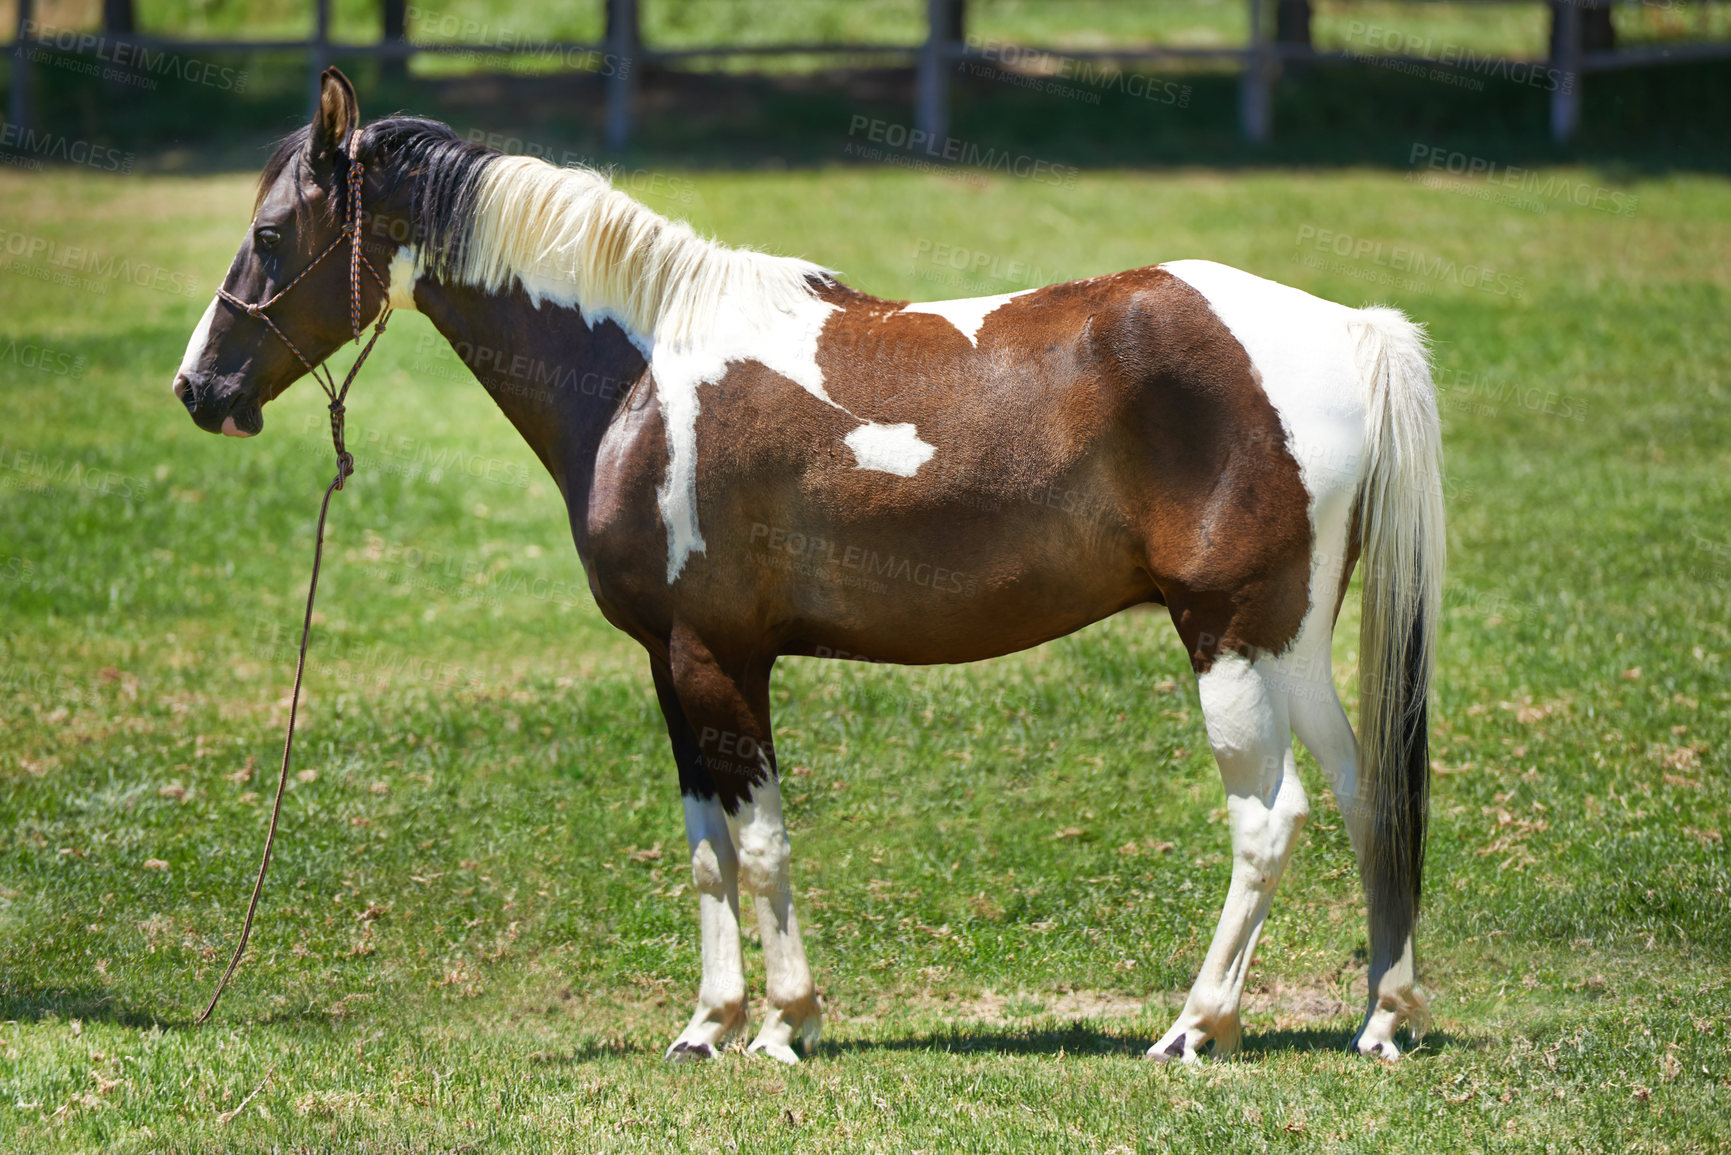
(338, 115)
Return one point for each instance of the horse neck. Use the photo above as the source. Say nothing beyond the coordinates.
(560, 381)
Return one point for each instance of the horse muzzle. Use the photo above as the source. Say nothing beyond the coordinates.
(231, 413)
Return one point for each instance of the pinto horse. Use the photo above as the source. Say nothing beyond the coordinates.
(758, 461)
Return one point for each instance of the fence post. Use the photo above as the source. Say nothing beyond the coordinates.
(1292, 22)
(932, 110)
(956, 21)
(18, 109)
(320, 56)
(119, 25)
(396, 31)
(1254, 94)
(624, 41)
(119, 18)
(1566, 61)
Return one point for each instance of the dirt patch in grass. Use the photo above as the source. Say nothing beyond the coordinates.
(1296, 1003)
(1290, 1003)
(993, 1007)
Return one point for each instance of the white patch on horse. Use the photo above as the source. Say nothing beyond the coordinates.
(1307, 353)
(195, 347)
(893, 449)
(563, 294)
(400, 279)
(967, 314)
(1302, 348)
(783, 342)
(691, 306)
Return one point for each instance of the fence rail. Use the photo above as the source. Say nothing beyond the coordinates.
(1259, 60)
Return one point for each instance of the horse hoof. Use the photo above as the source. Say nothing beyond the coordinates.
(684, 1052)
(1174, 1051)
(1383, 1049)
(780, 1052)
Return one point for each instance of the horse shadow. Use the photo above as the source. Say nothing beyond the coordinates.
(103, 1005)
(1297, 1040)
(93, 1004)
(87, 1004)
(90, 1004)
(1079, 1038)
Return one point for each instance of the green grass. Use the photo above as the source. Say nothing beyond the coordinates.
(469, 940)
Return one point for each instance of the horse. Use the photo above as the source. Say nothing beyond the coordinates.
(760, 461)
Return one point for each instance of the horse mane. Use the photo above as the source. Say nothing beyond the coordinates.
(289, 150)
(487, 219)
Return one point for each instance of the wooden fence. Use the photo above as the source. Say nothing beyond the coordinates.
(623, 55)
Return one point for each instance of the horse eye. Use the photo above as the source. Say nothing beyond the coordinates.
(266, 238)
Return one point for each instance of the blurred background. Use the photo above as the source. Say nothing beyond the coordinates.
(744, 83)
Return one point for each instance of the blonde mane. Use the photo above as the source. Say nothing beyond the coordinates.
(568, 235)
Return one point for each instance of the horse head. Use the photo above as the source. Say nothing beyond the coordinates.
(288, 301)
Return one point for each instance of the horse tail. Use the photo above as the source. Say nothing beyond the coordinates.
(1400, 532)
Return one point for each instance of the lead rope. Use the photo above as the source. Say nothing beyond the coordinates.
(345, 468)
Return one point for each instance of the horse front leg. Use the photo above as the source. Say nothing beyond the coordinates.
(727, 705)
(720, 1012)
(764, 852)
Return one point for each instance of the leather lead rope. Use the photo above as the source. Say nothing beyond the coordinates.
(287, 749)
(345, 467)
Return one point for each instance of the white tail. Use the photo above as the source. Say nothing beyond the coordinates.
(1402, 542)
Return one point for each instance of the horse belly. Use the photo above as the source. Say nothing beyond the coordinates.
(986, 587)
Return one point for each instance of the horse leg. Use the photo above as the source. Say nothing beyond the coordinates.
(1247, 726)
(728, 707)
(793, 1014)
(720, 1010)
(1394, 997)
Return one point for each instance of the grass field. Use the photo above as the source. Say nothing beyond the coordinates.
(479, 933)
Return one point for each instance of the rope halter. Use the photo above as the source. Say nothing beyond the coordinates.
(351, 233)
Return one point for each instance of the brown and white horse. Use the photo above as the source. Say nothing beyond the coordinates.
(760, 461)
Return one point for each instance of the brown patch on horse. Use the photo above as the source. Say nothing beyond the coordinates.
(1228, 522)
(1105, 443)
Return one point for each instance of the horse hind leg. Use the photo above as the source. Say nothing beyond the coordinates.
(1393, 995)
(1246, 716)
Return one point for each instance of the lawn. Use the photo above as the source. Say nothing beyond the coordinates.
(479, 933)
